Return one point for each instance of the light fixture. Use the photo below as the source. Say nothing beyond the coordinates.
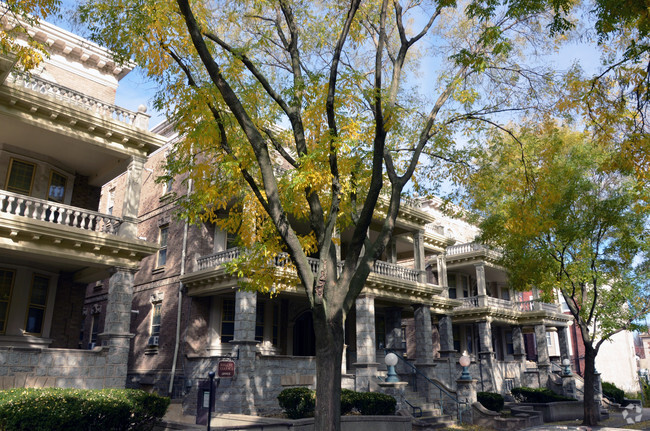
(391, 360)
(464, 362)
(567, 366)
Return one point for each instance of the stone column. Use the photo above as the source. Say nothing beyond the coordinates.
(129, 226)
(480, 284)
(598, 389)
(518, 344)
(366, 365)
(423, 348)
(418, 254)
(246, 348)
(569, 386)
(446, 332)
(486, 355)
(117, 327)
(563, 339)
(391, 250)
(543, 360)
(441, 261)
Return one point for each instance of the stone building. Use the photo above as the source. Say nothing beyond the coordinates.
(63, 138)
(432, 296)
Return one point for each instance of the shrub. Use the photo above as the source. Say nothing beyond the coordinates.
(490, 400)
(348, 401)
(375, 403)
(54, 409)
(537, 395)
(297, 402)
(613, 393)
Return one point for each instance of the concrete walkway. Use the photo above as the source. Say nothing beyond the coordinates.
(631, 418)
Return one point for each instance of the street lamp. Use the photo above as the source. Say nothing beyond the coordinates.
(391, 361)
(567, 367)
(464, 362)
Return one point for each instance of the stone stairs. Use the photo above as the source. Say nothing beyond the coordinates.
(431, 416)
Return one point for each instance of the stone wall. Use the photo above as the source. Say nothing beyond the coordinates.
(82, 369)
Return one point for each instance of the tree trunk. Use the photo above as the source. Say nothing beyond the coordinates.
(329, 354)
(591, 410)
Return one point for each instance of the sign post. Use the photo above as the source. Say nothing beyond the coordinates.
(211, 398)
(226, 368)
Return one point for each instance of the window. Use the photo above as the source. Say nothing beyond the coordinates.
(94, 331)
(451, 281)
(37, 303)
(276, 323)
(111, 201)
(21, 176)
(228, 321)
(6, 284)
(56, 191)
(380, 331)
(156, 318)
(259, 322)
(510, 348)
(162, 241)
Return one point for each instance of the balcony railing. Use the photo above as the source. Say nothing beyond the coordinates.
(498, 302)
(80, 100)
(56, 213)
(470, 302)
(465, 248)
(525, 306)
(536, 305)
(282, 259)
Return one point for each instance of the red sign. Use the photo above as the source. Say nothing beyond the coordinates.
(226, 369)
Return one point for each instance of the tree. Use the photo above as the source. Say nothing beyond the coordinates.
(566, 223)
(17, 17)
(340, 79)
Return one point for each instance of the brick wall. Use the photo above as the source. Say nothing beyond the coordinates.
(67, 317)
(84, 195)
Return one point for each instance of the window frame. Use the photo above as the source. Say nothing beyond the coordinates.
(9, 171)
(156, 312)
(223, 320)
(3, 329)
(35, 306)
(49, 186)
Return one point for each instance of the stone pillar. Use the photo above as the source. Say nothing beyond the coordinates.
(129, 226)
(418, 254)
(598, 389)
(442, 273)
(117, 327)
(466, 393)
(518, 344)
(480, 284)
(423, 348)
(563, 339)
(569, 386)
(445, 330)
(246, 348)
(543, 360)
(486, 355)
(366, 365)
(394, 338)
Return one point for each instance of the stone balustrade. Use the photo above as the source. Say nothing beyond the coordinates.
(78, 99)
(498, 303)
(56, 213)
(465, 248)
(282, 259)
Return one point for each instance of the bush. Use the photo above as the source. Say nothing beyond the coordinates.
(53, 409)
(537, 395)
(297, 402)
(613, 393)
(490, 400)
(348, 401)
(375, 403)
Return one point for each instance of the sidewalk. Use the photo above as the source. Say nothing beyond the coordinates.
(631, 419)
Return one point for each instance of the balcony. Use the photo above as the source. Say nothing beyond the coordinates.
(62, 237)
(386, 279)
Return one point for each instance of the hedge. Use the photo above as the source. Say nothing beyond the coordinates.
(537, 395)
(300, 402)
(490, 400)
(54, 409)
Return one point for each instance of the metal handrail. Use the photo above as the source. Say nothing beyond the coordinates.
(417, 411)
(442, 390)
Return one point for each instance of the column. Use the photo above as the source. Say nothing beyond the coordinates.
(246, 349)
(129, 226)
(424, 348)
(418, 255)
(486, 355)
(480, 284)
(366, 365)
(391, 250)
(117, 335)
(563, 338)
(394, 337)
(442, 273)
(518, 344)
(543, 361)
(446, 337)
